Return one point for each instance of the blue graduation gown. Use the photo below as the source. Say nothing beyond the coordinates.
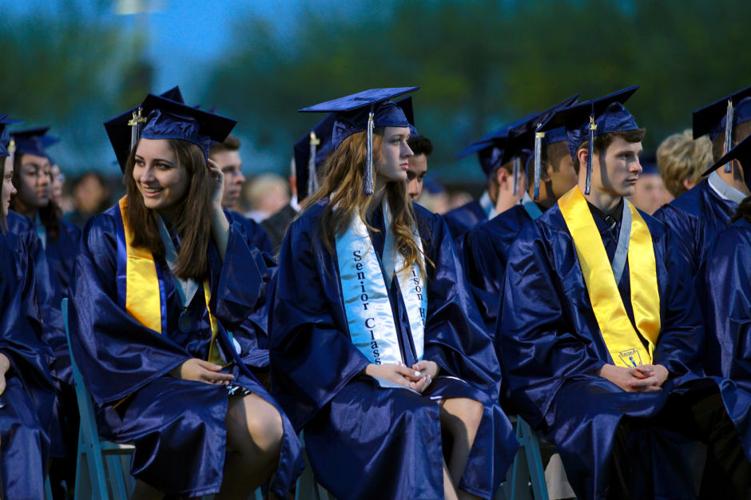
(53, 266)
(365, 441)
(485, 253)
(31, 254)
(696, 218)
(552, 351)
(462, 219)
(255, 233)
(256, 328)
(727, 278)
(25, 422)
(177, 426)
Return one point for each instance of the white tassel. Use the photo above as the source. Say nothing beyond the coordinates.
(538, 162)
(369, 186)
(517, 169)
(135, 127)
(312, 176)
(590, 153)
(729, 117)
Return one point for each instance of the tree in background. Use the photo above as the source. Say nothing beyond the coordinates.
(71, 67)
(481, 62)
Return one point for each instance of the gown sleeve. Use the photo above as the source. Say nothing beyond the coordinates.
(20, 325)
(728, 283)
(455, 338)
(681, 339)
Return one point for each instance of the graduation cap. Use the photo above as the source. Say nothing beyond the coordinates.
(310, 153)
(595, 117)
(162, 117)
(530, 136)
(7, 144)
(364, 111)
(742, 153)
(33, 141)
(712, 119)
(491, 147)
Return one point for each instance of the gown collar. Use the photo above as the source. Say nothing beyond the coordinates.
(725, 190)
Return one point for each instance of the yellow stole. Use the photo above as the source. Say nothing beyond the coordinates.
(142, 296)
(621, 339)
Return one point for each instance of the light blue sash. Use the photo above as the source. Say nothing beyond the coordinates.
(370, 319)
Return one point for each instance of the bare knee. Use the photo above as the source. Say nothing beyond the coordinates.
(462, 412)
(263, 423)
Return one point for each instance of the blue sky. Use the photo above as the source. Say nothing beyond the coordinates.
(182, 34)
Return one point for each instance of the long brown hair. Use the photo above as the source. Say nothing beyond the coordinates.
(343, 176)
(50, 215)
(193, 223)
(3, 218)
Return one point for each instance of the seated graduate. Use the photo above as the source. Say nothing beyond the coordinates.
(601, 335)
(726, 278)
(163, 285)
(697, 216)
(504, 174)
(27, 391)
(226, 155)
(376, 348)
(485, 247)
(54, 259)
(309, 153)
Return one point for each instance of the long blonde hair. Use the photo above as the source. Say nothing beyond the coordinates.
(343, 184)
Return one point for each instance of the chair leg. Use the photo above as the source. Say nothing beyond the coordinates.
(47, 488)
(97, 473)
(531, 446)
(114, 467)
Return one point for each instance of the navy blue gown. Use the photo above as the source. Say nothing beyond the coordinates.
(177, 426)
(256, 328)
(364, 441)
(728, 282)
(485, 253)
(696, 218)
(462, 219)
(25, 417)
(552, 351)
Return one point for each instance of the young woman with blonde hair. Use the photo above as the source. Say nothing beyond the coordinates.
(376, 348)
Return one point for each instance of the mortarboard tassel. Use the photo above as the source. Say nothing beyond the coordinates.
(729, 117)
(369, 188)
(312, 177)
(517, 171)
(538, 162)
(590, 153)
(135, 123)
(11, 148)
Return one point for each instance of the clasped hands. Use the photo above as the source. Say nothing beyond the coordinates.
(645, 378)
(417, 377)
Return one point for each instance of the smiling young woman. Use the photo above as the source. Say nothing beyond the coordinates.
(165, 286)
(372, 355)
